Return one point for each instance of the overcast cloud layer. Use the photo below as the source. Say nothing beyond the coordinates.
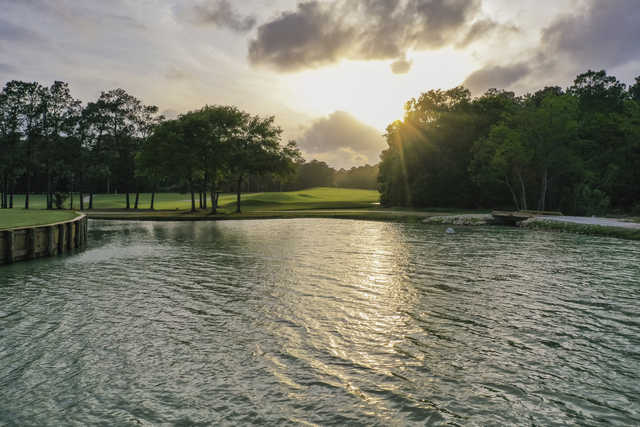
(182, 54)
(319, 33)
(602, 35)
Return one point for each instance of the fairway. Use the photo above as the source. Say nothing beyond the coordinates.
(12, 218)
(313, 198)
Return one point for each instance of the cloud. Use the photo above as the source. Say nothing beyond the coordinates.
(7, 69)
(499, 77)
(484, 28)
(343, 158)
(320, 33)
(342, 140)
(606, 34)
(14, 33)
(401, 66)
(600, 36)
(218, 13)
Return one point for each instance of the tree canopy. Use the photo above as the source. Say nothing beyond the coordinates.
(568, 149)
(118, 144)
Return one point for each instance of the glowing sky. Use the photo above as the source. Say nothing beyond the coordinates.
(334, 72)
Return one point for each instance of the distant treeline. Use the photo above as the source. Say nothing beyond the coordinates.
(576, 150)
(51, 143)
(318, 174)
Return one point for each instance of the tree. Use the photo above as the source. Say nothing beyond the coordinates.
(314, 174)
(634, 91)
(172, 153)
(256, 150)
(60, 114)
(25, 100)
(217, 127)
(123, 122)
(10, 153)
(503, 157)
(534, 144)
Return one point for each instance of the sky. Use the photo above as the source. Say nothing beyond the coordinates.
(335, 73)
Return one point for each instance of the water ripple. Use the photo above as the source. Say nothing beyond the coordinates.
(321, 322)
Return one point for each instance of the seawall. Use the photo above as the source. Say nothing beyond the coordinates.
(25, 243)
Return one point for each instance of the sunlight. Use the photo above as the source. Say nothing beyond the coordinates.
(370, 91)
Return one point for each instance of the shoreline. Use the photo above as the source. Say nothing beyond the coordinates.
(43, 240)
(577, 225)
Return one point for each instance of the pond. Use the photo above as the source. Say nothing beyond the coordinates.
(322, 321)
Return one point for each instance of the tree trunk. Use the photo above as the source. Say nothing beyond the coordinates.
(193, 197)
(49, 193)
(71, 195)
(11, 199)
(200, 199)
(153, 199)
(3, 196)
(128, 200)
(214, 200)
(513, 193)
(135, 204)
(214, 207)
(204, 199)
(239, 190)
(26, 196)
(543, 191)
(91, 200)
(81, 201)
(524, 193)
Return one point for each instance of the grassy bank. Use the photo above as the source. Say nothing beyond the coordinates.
(12, 218)
(314, 198)
(322, 202)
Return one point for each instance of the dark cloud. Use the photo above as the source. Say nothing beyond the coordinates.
(484, 28)
(401, 66)
(15, 33)
(319, 33)
(499, 77)
(6, 68)
(218, 13)
(603, 36)
(342, 140)
(607, 34)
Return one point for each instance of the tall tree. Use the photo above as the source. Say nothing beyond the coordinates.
(256, 150)
(10, 149)
(27, 100)
(60, 114)
(126, 122)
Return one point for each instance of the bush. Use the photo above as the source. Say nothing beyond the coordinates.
(59, 198)
(592, 201)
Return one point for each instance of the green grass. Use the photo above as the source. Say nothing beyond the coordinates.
(12, 218)
(314, 198)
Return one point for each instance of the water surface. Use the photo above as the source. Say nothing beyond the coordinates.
(324, 322)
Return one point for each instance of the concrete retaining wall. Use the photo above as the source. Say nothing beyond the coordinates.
(18, 244)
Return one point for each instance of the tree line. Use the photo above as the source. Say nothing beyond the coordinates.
(50, 142)
(576, 150)
(317, 173)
